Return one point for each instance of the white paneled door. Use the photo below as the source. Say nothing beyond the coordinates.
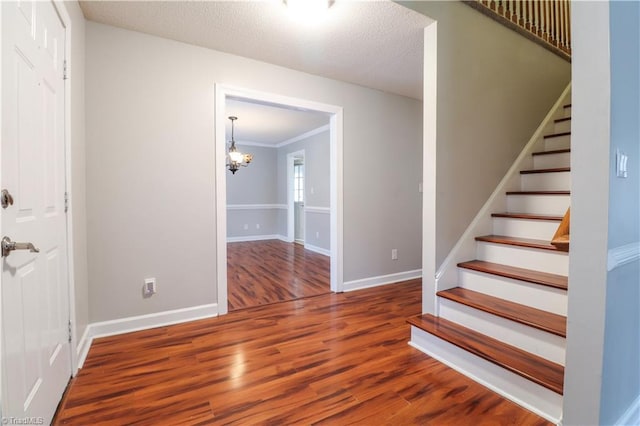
(36, 364)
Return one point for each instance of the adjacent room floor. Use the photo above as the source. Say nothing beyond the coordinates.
(332, 359)
(264, 272)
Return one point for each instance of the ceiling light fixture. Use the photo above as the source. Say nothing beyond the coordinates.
(308, 10)
(235, 158)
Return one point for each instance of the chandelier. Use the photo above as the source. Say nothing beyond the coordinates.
(235, 158)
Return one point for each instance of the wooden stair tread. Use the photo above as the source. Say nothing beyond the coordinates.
(531, 367)
(521, 274)
(542, 320)
(567, 106)
(528, 216)
(538, 192)
(516, 241)
(553, 170)
(555, 151)
(560, 120)
(557, 135)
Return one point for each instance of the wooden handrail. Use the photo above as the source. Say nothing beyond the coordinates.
(561, 238)
(546, 22)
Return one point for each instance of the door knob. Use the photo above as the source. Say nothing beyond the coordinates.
(8, 246)
(6, 199)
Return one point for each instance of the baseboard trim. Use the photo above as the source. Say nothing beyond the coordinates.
(317, 249)
(143, 322)
(255, 238)
(632, 415)
(523, 392)
(82, 350)
(381, 280)
(256, 206)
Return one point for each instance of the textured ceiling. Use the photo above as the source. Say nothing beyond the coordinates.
(270, 125)
(377, 44)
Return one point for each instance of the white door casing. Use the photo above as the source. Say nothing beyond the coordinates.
(36, 356)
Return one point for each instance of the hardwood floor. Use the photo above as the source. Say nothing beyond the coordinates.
(332, 359)
(264, 272)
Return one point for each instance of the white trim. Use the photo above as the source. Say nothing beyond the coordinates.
(514, 387)
(632, 415)
(221, 92)
(381, 280)
(144, 322)
(305, 135)
(314, 209)
(622, 255)
(258, 144)
(291, 159)
(256, 238)
(82, 350)
(256, 206)
(317, 249)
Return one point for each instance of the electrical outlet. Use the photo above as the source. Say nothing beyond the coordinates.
(246, 226)
(317, 234)
(149, 288)
(257, 226)
(394, 254)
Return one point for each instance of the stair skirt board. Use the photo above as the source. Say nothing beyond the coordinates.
(558, 142)
(553, 181)
(550, 161)
(553, 262)
(523, 392)
(525, 228)
(532, 340)
(567, 111)
(535, 295)
(538, 204)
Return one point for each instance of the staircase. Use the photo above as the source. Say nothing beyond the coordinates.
(504, 324)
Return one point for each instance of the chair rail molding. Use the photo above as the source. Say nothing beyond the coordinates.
(622, 255)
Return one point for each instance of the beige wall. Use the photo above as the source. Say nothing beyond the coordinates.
(494, 88)
(150, 169)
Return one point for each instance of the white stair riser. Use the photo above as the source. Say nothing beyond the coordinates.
(553, 262)
(524, 392)
(567, 112)
(532, 340)
(538, 204)
(558, 142)
(557, 181)
(525, 228)
(537, 296)
(562, 126)
(551, 161)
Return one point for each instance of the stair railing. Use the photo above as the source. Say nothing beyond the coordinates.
(547, 22)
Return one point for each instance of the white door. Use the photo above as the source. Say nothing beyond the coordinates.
(36, 364)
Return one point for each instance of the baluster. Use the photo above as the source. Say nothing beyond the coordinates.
(560, 24)
(518, 21)
(541, 11)
(547, 5)
(569, 25)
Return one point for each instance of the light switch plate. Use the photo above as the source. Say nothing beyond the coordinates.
(621, 164)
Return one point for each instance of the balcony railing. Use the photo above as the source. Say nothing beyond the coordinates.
(547, 22)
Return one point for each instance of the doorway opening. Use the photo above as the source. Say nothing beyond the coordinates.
(256, 225)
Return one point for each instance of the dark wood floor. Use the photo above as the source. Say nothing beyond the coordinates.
(334, 359)
(264, 272)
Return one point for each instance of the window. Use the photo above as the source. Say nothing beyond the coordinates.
(298, 183)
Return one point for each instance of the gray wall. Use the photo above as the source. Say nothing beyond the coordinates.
(316, 186)
(150, 169)
(494, 89)
(621, 357)
(255, 184)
